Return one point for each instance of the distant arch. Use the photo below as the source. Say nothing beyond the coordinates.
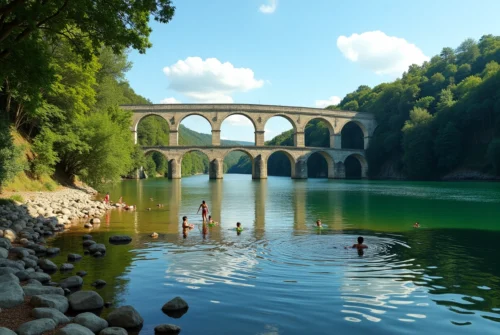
(244, 165)
(278, 165)
(194, 114)
(145, 116)
(329, 168)
(248, 116)
(352, 135)
(156, 163)
(194, 161)
(324, 141)
(146, 138)
(356, 166)
(291, 141)
(227, 126)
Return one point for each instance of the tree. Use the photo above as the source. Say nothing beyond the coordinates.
(448, 147)
(467, 51)
(11, 160)
(117, 24)
(493, 154)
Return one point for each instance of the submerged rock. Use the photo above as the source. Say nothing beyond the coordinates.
(126, 317)
(71, 282)
(120, 239)
(85, 301)
(66, 267)
(175, 308)
(91, 321)
(74, 257)
(167, 329)
(113, 331)
(99, 283)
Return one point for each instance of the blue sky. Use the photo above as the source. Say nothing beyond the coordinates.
(296, 53)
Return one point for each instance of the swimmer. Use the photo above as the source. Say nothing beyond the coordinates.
(359, 245)
(204, 211)
(149, 209)
(239, 227)
(319, 224)
(211, 222)
(154, 235)
(416, 225)
(186, 224)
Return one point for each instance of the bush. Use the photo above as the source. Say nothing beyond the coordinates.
(17, 198)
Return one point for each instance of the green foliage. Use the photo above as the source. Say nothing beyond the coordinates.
(46, 157)
(17, 198)
(493, 155)
(11, 158)
(448, 147)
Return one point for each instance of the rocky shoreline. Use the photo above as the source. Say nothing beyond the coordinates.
(30, 302)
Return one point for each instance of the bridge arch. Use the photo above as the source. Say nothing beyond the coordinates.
(328, 141)
(330, 163)
(290, 120)
(226, 118)
(355, 166)
(238, 168)
(286, 154)
(185, 116)
(137, 121)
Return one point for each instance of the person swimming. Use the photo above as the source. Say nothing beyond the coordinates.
(238, 226)
(416, 225)
(319, 224)
(204, 211)
(211, 222)
(359, 246)
(186, 224)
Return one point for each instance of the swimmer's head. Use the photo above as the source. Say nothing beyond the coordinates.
(360, 240)
(238, 224)
(318, 222)
(184, 218)
(209, 217)
(203, 202)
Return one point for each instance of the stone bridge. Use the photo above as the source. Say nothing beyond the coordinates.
(298, 154)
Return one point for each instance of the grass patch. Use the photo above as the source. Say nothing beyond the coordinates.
(17, 198)
(23, 183)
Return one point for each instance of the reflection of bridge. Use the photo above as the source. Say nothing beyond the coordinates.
(298, 154)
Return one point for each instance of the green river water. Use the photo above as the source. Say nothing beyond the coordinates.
(281, 275)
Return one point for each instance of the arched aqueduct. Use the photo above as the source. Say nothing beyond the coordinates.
(298, 154)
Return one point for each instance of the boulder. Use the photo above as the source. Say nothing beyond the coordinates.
(125, 317)
(95, 221)
(33, 289)
(23, 275)
(98, 247)
(120, 239)
(6, 270)
(47, 265)
(81, 273)
(91, 321)
(50, 313)
(85, 301)
(21, 252)
(4, 253)
(99, 283)
(74, 257)
(71, 282)
(66, 267)
(7, 331)
(175, 308)
(9, 277)
(74, 329)
(9, 263)
(113, 331)
(40, 276)
(34, 282)
(29, 262)
(87, 237)
(167, 329)
(52, 251)
(56, 301)
(88, 243)
(9, 234)
(11, 293)
(36, 327)
(5, 243)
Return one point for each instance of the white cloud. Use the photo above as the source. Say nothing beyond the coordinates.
(381, 53)
(238, 120)
(269, 9)
(170, 101)
(210, 80)
(333, 100)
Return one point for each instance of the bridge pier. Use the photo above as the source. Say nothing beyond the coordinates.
(339, 170)
(336, 141)
(174, 169)
(300, 170)
(299, 139)
(173, 138)
(259, 138)
(216, 169)
(259, 168)
(216, 137)
(367, 141)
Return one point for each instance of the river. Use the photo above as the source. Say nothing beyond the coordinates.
(281, 275)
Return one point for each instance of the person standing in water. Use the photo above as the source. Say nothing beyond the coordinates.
(106, 199)
(204, 211)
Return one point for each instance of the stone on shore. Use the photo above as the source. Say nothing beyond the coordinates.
(10, 235)
(99, 283)
(125, 317)
(120, 239)
(36, 327)
(9, 263)
(95, 221)
(23, 275)
(7, 331)
(71, 282)
(87, 237)
(113, 331)
(41, 277)
(85, 301)
(175, 308)
(56, 301)
(50, 313)
(4, 253)
(81, 273)
(52, 251)
(47, 265)
(31, 290)
(74, 329)
(74, 257)
(91, 321)
(167, 329)
(5, 243)
(66, 267)
(88, 243)
(11, 293)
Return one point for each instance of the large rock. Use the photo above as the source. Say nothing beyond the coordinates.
(74, 329)
(113, 331)
(4, 271)
(56, 301)
(5, 243)
(52, 251)
(50, 313)
(31, 290)
(7, 331)
(47, 265)
(30, 262)
(71, 282)
(85, 301)
(4, 253)
(87, 237)
(175, 308)
(88, 243)
(40, 276)
(167, 329)
(8, 263)
(74, 257)
(11, 294)
(91, 321)
(36, 327)
(120, 239)
(9, 277)
(126, 317)
(66, 267)
(98, 247)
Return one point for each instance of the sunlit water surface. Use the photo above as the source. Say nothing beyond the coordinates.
(281, 275)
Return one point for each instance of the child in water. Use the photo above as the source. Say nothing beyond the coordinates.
(186, 224)
(211, 222)
(360, 246)
(238, 226)
(416, 225)
(318, 224)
